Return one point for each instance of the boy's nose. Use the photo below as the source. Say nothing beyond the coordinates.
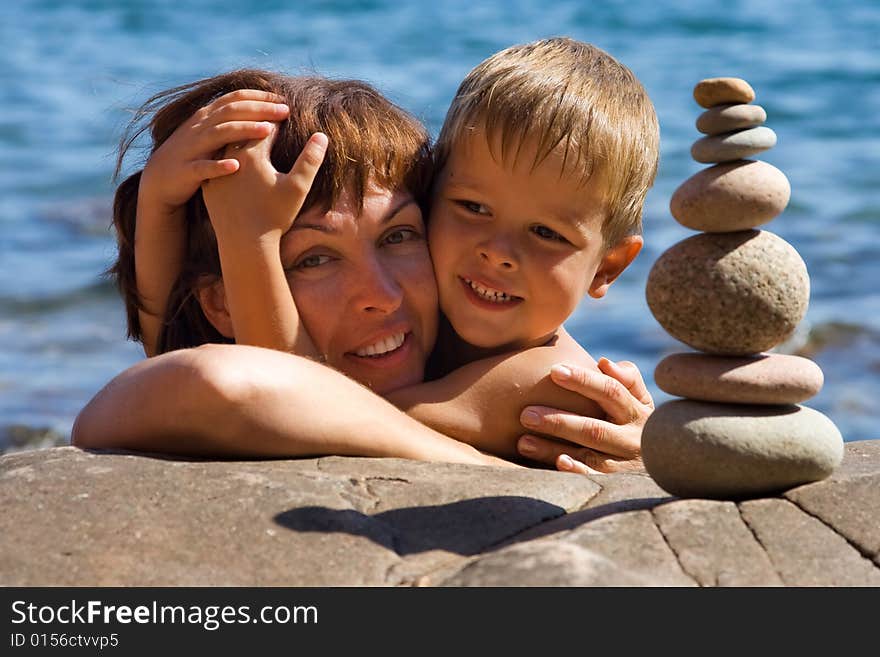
(499, 254)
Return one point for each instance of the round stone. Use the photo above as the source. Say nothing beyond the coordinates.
(732, 294)
(731, 196)
(726, 118)
(732, 451)
(763, 379)
(733, 145)
(717, 91)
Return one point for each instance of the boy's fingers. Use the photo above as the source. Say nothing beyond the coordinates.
(629, 375)
(244, 95)
(304, 170)
(249, 110)
(209, 169)
(550, 452)
(234, 132)
(586, 431)
(614, 398)
(565, 463)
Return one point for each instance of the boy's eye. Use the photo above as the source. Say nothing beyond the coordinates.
(401, 235)
(311, 261)
(548, 234)
(476, 208)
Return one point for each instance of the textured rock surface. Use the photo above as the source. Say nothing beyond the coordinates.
(77, 518)
(730, 146)
(717, 91)
(726, 118)
(703, 449)
(729, 293)
(733, 196)
(764, 379)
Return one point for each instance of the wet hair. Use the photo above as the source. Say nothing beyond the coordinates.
(570, 97)
(371, 141)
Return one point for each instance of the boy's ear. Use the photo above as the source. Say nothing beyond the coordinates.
(616, 260)
(212, 299)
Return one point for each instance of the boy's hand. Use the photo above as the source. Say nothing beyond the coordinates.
(258, 200)
(178, 167)
(593, 445)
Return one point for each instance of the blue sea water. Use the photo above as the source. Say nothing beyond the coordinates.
(71, 71)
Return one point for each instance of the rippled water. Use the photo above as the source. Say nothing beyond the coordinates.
(70, 71)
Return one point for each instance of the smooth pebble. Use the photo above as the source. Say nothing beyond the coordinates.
(717, 91)
(733, 145)
(732, 451)
(731, 196)
(733, 294)
(762, 379)
(726, 118)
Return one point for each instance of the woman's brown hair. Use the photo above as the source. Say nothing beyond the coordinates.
(371, 140)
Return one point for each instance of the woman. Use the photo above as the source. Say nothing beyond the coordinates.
(368, 194)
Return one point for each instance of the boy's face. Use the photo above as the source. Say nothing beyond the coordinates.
(515, 248)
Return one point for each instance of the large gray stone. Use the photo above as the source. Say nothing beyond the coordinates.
(727, 451)
(726, 118)
(732, 294)
(717, 91)
(764, 379)
(732, 196)
(729, 146)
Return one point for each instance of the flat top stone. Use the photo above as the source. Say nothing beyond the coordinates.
(724, 118)
(717, 91)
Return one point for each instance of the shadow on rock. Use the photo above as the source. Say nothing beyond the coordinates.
(466, 527)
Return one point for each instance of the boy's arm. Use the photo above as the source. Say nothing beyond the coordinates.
(250, 212)
(235, 401)
(480, 403)
(597, 412)
(172, 175)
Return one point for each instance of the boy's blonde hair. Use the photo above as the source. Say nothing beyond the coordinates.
(570, 95)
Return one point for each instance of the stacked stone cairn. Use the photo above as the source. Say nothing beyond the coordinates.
(733, 292)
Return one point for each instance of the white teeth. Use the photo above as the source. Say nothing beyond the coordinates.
(383, 346)
(487, 293)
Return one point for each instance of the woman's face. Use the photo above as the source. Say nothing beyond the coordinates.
(365, 288)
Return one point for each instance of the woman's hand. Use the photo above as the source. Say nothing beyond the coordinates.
(186, 159)
(589, 445)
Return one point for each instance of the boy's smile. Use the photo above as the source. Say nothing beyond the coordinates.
(515, 246)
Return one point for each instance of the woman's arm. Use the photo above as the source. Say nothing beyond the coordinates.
(239, 401)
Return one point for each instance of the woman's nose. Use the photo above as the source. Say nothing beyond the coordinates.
(499, 253)
(378, 290)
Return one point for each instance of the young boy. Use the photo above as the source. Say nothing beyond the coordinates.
(544, 161)
(543, 164)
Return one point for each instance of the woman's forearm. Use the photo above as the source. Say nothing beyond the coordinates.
(237, 401)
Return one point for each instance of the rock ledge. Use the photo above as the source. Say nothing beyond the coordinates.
(78, 518)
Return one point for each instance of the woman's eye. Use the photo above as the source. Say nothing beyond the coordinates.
(311, 261)
(476, 208)
(400, 235)
(548, 234)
